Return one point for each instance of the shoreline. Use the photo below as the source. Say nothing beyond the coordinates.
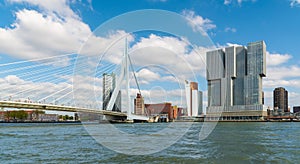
(67, 122)
(120, 122)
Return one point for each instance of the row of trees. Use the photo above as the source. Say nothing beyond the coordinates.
(66, 117)
(16, 115)
(21, 114)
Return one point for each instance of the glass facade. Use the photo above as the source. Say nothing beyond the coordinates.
(235, 76)
(214, 93)
(109, 84)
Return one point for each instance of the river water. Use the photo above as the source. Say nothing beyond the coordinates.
(252, 142)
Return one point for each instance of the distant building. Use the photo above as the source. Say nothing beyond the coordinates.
(139, 106)
(234, 77)
(174, 112)
(109, 84)
(2, 116)
(280, 99)
(193, 98)
(157, 109)
(31, 115)
(180, 111)
(296, 109)
(48, 117)
(263, 97)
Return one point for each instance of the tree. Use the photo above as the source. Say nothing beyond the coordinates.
(22, 115)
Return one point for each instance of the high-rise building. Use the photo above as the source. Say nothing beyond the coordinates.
(139, 106)
(193, 98)
(234, 77)
(109, 84)
(280, 99)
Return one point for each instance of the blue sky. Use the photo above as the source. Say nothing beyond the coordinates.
(56, 22)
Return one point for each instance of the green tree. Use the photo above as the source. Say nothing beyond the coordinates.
(22, 115)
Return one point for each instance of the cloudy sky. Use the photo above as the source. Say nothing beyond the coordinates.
(40, 40)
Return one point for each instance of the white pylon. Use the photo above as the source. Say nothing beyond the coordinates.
(124, 75)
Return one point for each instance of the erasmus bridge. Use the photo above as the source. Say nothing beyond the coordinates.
(47, 84)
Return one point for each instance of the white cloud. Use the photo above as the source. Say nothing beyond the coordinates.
(278, 73)
(171, 55)
(35, 34)
(239, 2)
(158, 0)
(54, 7)
(227, 2)
(231, 44)
(147, 75)
(13, 80)
(282, 72)
(198, 23)
(230, 29)
(88, 90)
(20, 89)
(268, 83)
(277, 59)
(55, 30)
(295, 3)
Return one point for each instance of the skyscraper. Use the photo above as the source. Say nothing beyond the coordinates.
(109, 84)
(234, 77)
(194, 99)
(280, 98)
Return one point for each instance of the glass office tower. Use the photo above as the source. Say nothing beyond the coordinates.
(109, 84)
(234, 77)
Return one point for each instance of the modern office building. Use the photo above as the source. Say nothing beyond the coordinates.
(194, 99)
(280, 99)
(109, 84)
(234, 77)
(139, 105)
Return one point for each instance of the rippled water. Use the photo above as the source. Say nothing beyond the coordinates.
(261, 142)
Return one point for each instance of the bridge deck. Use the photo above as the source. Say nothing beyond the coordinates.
(23, 105)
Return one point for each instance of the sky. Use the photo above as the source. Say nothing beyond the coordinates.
(56, 30)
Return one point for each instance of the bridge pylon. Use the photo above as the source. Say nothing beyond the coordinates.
(124, 76)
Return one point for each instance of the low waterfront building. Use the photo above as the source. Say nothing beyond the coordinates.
(48, 117)
(296, 109)
(180, 112)
(2, 116)
(159, 109)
